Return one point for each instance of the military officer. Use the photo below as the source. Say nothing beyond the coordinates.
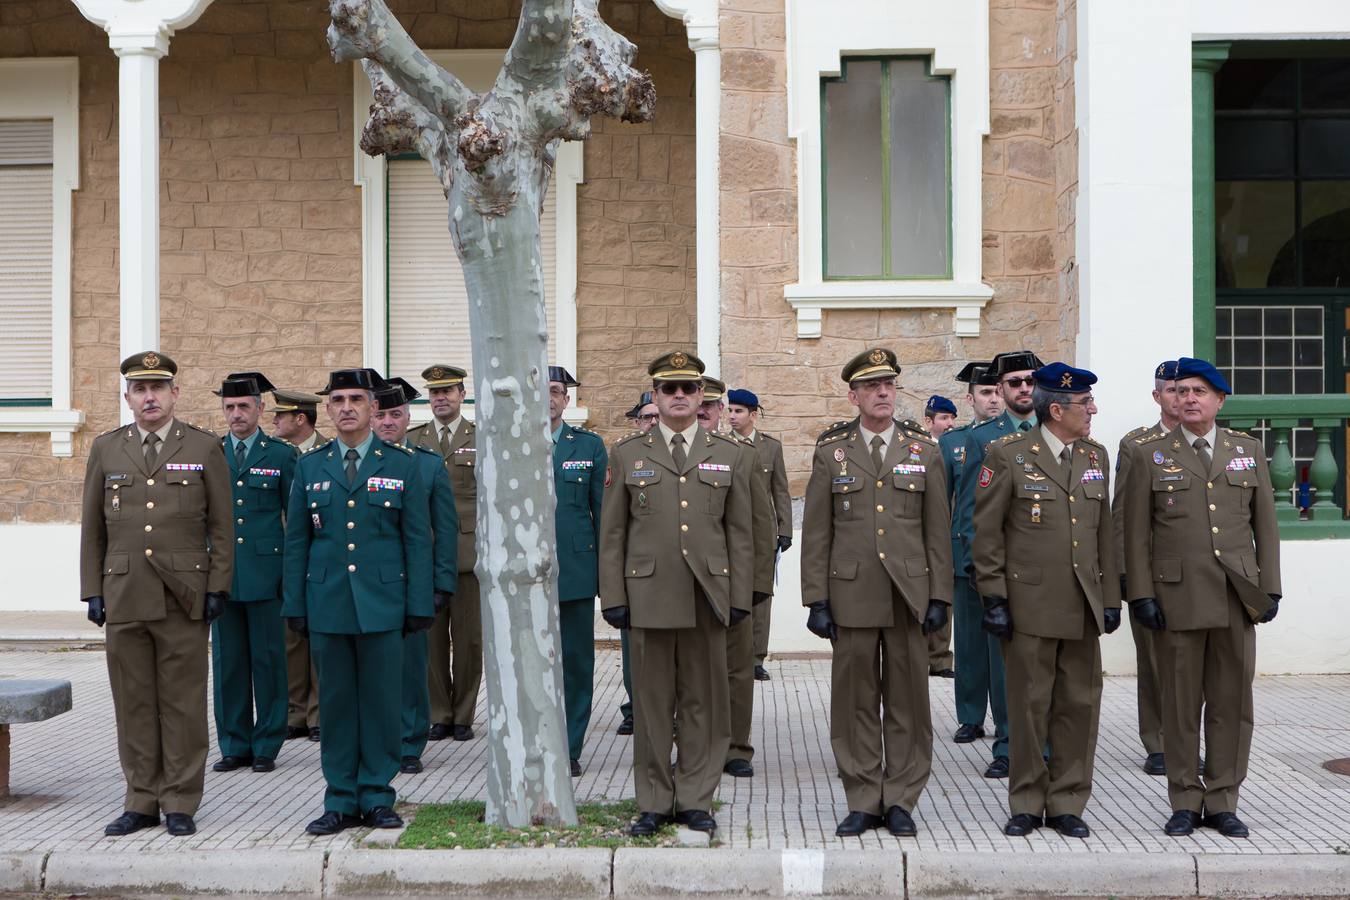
(741, 637)
(939, 416)
(877, 576)
(1011, 372)
(579, 461)
(644, 416)
(294, 415)
(156, 555)
(743, 409)
(454, 676)
(677, 511)
(1145, 645)
(1203, 562)
(391, 420)
(1045, 566)
(358, 575)
(248, 659)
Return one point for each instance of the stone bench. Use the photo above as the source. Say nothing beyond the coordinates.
(27, 700)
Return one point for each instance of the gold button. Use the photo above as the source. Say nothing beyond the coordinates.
(351, 546)
(724, 571)
(880, 508)
(1214, 529)
(1075, 543)
(1075, 565)
(116, 486)
(150, 481)
(239, 503)
(684, 527)
(239, 521)
(238, 540)
(685, 552)
(880, 484)
(149, 528)
(1074, 520)
(351, 503)
(911, 485)
(1035, 496)
(881, 531)
(642, 484)
(149, 552)
(386, 503)
(634, 572)
(845, 489)
(1014, 576)
(351, 525)
(352, 567)
(683, 504)
(238, 484)
(1218, 553)
(1072, 498)
(682, 479)
(1209, 484)
(881, 555)
(149, 504)
(1212, 507)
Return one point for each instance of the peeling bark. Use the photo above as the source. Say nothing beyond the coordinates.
(493, 153)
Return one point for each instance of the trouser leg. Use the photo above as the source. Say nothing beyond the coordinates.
(626, 707)
(907, 723)
(762, 614)
(232, 680)
(466, 659)
(972, 654)
(438, 667)
(740, 650)
(415, 715)
(267, 649)
(1074, 708)
(702, 708)
(1149, 690)
(652, 655)
(855, 716)
(180, 670)
(1230, 666)
(379, 689)
(131, 675)
(339, 747)
(1031, 664)
(577, 624)
(1181, 666)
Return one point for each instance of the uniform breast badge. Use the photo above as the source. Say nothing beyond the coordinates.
(1035, 514)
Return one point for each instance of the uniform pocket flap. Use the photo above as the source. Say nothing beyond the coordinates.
(643, 476)
(316, 574)
(1167, 570)
(583, 543)
(391, 572)
(1024, 574)
(916, 566)
(319, 498)
(264, 482)
(1094, 490)
(842, 484)
(1245, 478)
(183, 477)
(718, 566)
(844, 568)
(1167, 481)
(190, 561)
(116, 564)
(266, 549)
(1249, 566)
(385, 499)
(715, 478)
(903, 482)
(640, 566)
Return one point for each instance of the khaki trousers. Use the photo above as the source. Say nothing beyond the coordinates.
(1150, 688)
(302, 683)
(453, 677)
(741, 686)
(1206, 679)
(762, 614)
(1054, 697)
(158, 675)
(880, 725)
(680, 675)
(940, 648)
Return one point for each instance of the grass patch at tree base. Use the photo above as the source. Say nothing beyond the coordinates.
(460, 826)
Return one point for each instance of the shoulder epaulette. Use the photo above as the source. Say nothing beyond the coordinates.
(1150, 437)
(112, 430)
(626, 438)
(1094, 442)
(768, 437)
(418, 448)
(834, 432)
(911, 425)
(921, 436)
(734, 441)
(1137, 431)
(1010, 437)
(199, 428)
(1242, 434)
(583, 430)
(317, 447)
(956, 428)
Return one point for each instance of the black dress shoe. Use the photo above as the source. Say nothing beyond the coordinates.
(1182, 823)
(410, 765)
(576, 768)
(1226, 824)
(230, 763)
(179, 824)
(649, 823)
(855, 823)
(739, 768)
(943, 673)
(1022, 825)
(968, 734)
(439, 732)
(296, 731)
(625, 727)
(696, 819)
(998, 768)
(1153, 764)
(761, 674)
(382, 817)
(899, 823)
(331, 822)
(263, 764)
(128, 822)
(463, 732)
(314, 734)
(1068, 825)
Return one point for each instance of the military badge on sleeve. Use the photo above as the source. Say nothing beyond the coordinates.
(986, 476)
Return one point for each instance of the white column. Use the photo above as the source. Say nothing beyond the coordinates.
(708, 188)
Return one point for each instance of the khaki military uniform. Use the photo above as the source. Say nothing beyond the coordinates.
(1204, 541)
(1145, 641)
(1043, 541)
(670, 541)
(877, 546)
(770, 451)
(302, 683)
(154, 540)
(454, 676)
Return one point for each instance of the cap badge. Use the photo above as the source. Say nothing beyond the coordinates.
(679, 360)
(1066, 380)
(150, 361)
(437, 373)
(877, 357)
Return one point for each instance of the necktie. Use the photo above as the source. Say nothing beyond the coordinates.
(1202, 450)
(677, 451)
(1064, 457)
(877, 444)
(351, 456)
(151, 450)
(240, 451)
(445, 443)
(1025, 426)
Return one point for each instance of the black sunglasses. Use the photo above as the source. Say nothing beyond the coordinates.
(688, 388)
(1018, 382)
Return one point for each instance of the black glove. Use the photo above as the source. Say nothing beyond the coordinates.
(1147, 613)
(820, 622)
(1269, 614)
(616, 616)
(1111, 618)
(935, 618)
(758, 597)
(215, 605)
(440, 600)
(738, 616)
(784, 542)
(98, 614)
(997, 619)
(412, 624)
(298, 624)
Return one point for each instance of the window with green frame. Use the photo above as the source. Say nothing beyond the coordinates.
(886, 170)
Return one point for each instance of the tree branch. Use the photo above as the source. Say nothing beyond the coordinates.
(366, 29)
(400, 124)
(600, 74)
(539, 47)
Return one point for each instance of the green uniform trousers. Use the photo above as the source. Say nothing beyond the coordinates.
(626, 707)
(979, 667)
(577, 621)
(360, 686)
(416, 696)
(762, 613)
(302, 684)
(455, 656)
(248, 667)
(1146, 645)
(741, 686)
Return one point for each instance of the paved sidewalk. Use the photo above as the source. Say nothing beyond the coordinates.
(68, 781)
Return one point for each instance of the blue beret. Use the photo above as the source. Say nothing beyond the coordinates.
(939, 404)
(1064, 378)
(1199, 368)
(1167, 370)
(742, 397)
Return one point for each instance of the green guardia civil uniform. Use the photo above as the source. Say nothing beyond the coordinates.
(358, 562)
(248, 658)
(579, 463)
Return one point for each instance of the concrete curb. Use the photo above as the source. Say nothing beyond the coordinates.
(499, 873)
(1257, 876)
(186, 872)
(1063, 874)
(22, 872)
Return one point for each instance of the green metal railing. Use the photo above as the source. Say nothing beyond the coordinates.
(1328, 414)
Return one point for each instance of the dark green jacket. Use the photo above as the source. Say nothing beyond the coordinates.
(579, 462)
(444, 521)
(358, 559)
(977, 441)
(952, 446)
(258, 500)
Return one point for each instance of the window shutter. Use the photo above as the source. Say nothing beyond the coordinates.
(26, 259)
(428, 305)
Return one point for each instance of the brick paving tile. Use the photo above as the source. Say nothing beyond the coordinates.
(68, 782)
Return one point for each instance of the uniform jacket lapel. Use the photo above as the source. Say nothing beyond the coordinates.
(370, 466)
(131, 443)
(698, 453)
(172, 444)
(857, 451)
(896, 450)
(1046, 461)
(657, 451)
(1078, 464)
(332, 463)
(1220, 455)
(1180, 449)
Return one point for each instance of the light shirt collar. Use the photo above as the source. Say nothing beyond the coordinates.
(1211, 437)
(449, 428)
(308, 442)
(667, 434)
(885, 438)
(248, 442)
(753, 435)
(362, 450)
(1017, 420)
(557, 432)
(163, 432)
(1054, 444)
